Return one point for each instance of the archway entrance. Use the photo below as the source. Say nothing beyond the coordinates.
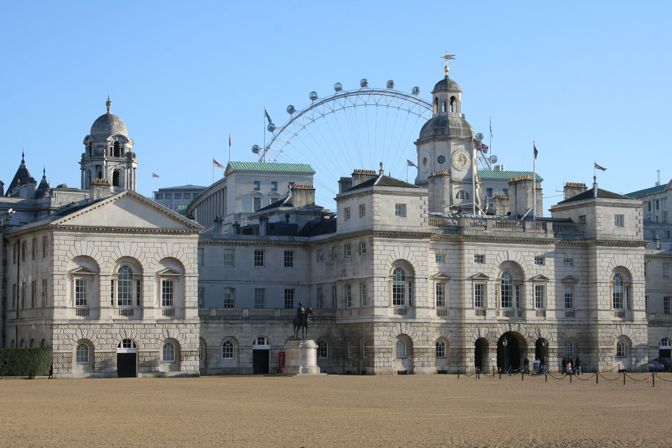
(261, 356)
(541, 351)
(511, 349)
(481, 355)
(127, 359)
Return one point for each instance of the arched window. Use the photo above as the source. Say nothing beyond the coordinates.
(117, 152)
(569, 349)
(365, 352)
(620, 349)
(617, 293)
(227, 350)
(462, 195)
(125, 285)
(443, 106)
(453, 104)
(398, 287)
(168, 352)
(506, 290)
(440, 349)
(436, 105)
(82, 354)
(401, 349)
(115, 179)
(322, 349)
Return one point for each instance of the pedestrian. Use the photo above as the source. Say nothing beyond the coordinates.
(51, 371)
(564, 365)
(577, 365)
(526, 366)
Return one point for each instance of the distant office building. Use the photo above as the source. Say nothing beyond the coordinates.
(177, 198)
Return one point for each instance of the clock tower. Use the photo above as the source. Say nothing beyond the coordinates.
(445, 150)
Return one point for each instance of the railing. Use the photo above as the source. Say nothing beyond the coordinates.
(82, 311)
(168, 312)
(286, 314)
(506, 312)
(549, 229)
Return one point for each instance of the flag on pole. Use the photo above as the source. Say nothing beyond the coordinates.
(409, 163)
(268, 117)
(229, 140)
(217, 164)
(491, 129)
(154, 175)
(536, 152)
(599, 167)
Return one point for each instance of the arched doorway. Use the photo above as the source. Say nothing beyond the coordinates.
(403, 351)
(511, 349)
(115, 179)
(481, 355)
(261, 356)
(541, 351)
(127, 359)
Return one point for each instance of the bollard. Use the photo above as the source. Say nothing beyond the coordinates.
(546, 377)
(493, 372)
(597, 377)
(570, 377)
(522, 376)
(624, 378)
(458, 373)
(653, 379)
(500, 375)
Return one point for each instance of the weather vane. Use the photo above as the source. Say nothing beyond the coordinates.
(447, 57)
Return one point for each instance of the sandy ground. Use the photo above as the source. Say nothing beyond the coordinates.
(336, 411)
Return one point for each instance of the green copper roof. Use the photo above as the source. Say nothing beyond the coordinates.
(271, 167)
(505, 175)
(647, 191)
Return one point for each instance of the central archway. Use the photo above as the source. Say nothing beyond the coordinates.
(511, 349)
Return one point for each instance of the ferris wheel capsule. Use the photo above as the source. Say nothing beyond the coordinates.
(312, 95)
(364, 83)
(338, 87)
(291, 109)
(390, 84)
(271, 127)
(415, 91)
(256, 149)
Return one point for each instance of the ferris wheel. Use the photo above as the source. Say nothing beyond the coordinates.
(347, 130)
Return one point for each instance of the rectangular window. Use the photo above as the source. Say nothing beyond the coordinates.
(44, 246)
(488, 192)
(259, 298)
(201, 256)
(539, 260)
(334, 254)
(289, 298)
(362, 210)
(363, 294)
(666, 270)
(257, 204)
(519, 295)
(33, 248)
(362, 248)
(320, 297)
(348, 295)
(479, 258)
(440, 295)
(14, 295)
(320, 255)
(33, 293)
(346, 213)
(229, 298)
(347, 250)
(23, 295)
(257, 185)
(274, 186)
(15, 253)
(229, 257)
(568, 261)
(259, 258)
(667, 303)
(505, 191)
(539, 296)
(138, 293)
(582, 220)
(289, 259)
(334, 296)
(438, 257)
(201, 296)
(81, 292)
(44, 293)
(400, 210)
(167, 291)
(24, 248)
(569, 297)
(619, 221)
(479, 295)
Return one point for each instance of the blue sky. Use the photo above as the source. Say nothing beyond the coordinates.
(588, 81)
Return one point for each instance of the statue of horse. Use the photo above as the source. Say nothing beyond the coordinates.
(302, 321)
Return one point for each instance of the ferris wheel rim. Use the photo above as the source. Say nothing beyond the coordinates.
(364, 91)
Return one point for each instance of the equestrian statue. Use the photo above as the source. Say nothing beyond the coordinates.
(302, 321)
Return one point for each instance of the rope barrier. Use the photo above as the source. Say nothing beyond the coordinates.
(607, 378)
(637, 380)
(587, 377)
(563, 377)
(662, 378)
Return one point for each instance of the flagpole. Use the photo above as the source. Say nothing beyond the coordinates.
(213, 169)
(490, 141)
(229, 148)
(534, 181)
(473, 177)
(263, 121)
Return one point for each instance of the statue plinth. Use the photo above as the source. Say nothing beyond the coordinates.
(301, 357)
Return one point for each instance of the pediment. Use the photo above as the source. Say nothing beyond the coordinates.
(479, 276)
(440, 276)
(539, 278)
(128, 210)
(168, 273)
(82, 271)
(570, 279)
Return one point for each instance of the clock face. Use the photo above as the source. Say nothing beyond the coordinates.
(461, 160)
(441, 159)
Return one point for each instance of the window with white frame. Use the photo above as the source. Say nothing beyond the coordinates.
(33, 248)
(582, 220)
(362, 210)
(440, 295)
(363, 294)
(617, 292)
(45, 245)
(257, 185)
(569, 297)
(259, 297)
(569, 349)
(506, 290)
(439, 257)
(400, 210)
(667, 305)
(401, 349)
(259, 258)
(348, 295)
(479, 295)
(440, 350)
(462, 195)
(334, 296)
(362, 248)
(289, 298)
(620, 349)
(320, 255)
(479, 258)
(539, 260)
(168, 352)
(289, 259)
(167, 293)
(227, 350)
(347, 250)
(229, 257)
(619, 220)
(274, 186)
(229, 298)
(322, 349)
(346, 213)
(539, 296)
(82, 354)
(125, 286)
(402, 288)
(81, 292)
